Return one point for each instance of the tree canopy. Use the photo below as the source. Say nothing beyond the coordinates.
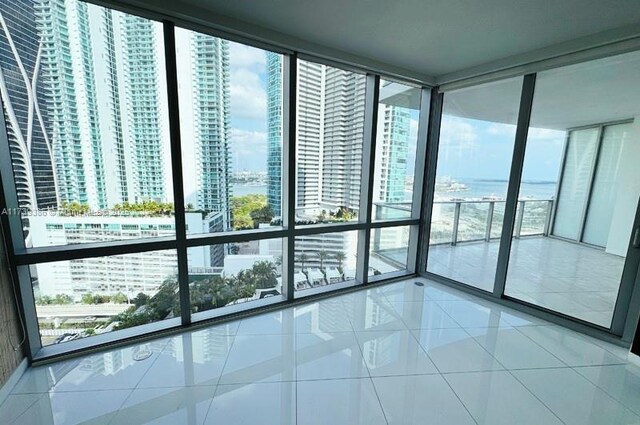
(249, 210)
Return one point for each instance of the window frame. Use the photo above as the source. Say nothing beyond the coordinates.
(21, 258)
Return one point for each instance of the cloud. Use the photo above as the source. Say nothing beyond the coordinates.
(496, 129)
(248, 96)
(246, 57)
(546, 134)
(457, 133)
(248, 149)
(245, 142)
(248, 87)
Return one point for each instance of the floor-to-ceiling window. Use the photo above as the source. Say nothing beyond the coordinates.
(581, 144)
(474, 159)
(153, 177)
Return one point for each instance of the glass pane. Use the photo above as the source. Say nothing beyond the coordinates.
(235, 273)
(325, 259)
(91, 149)
(389, 248)
(575, 182)
(230, 98)
(474, 160)
(80, 298)
(472, 224)
(330, 131)
(603, 199)
(497, 219)
(535, 217)
(442, 218)
(573, 278)
(396, 143)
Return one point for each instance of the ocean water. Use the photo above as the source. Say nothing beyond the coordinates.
(498, 188)
(476, 189)
(243, 189)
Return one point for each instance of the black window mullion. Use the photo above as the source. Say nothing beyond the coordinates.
(176, 170)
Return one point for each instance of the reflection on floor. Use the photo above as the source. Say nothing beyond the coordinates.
(573, 279)
(396, 354)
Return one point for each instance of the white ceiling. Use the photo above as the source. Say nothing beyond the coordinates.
(430, 37)
(588, 93)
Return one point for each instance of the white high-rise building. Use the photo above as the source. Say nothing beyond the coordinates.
(311, 83)
(105, 76)
(130, 273)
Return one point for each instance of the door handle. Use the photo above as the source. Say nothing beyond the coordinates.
(636, 238)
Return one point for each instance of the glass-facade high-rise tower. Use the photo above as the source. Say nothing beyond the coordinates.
(393, 148)
(26, 116)
(211, 112)
(274, 132)
(142, 79)
(330, 115)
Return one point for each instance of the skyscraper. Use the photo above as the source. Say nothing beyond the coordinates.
(25, 98)
(211, 109)
(342, 138)
(103, 72)
(392, 147)
(311, 82)
(69, 73)
(143, 106)
(274, 132)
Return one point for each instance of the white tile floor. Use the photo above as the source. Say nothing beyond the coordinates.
(576, 280)
(396, 354)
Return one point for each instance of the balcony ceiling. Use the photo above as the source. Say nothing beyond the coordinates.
(426, 37)
(584, 94)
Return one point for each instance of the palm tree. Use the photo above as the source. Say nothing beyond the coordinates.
(322, 255)
(340, 257)
(302, 257)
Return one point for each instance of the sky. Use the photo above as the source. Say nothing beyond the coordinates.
(473, 149)
(468, 148)
(248, 108)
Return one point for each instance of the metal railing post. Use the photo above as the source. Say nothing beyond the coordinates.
(456, 220)
(519, 218)
(487, 234)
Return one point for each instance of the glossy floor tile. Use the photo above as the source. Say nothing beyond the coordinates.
(329, 356)
(621, 382)
(400, 353)
(454, 350)
(260, 358)
(165, 406)
(389, 353)
(420, 399)
(574, 399)
(74, 407)
(497, 398)
(570, 347)
(338, 402)
(573, 279)
(424, 315)
(188, 361)
(513, 349)
(255, 404)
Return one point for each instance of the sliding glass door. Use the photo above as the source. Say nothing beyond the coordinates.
(570, 219)
(474, 157)
(582, 145)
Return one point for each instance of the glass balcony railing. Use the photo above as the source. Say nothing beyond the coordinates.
(467, 221)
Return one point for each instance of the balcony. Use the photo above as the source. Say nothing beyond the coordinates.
(575, 279)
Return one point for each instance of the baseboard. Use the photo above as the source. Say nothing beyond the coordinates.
(635, 359)
(5, 390)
